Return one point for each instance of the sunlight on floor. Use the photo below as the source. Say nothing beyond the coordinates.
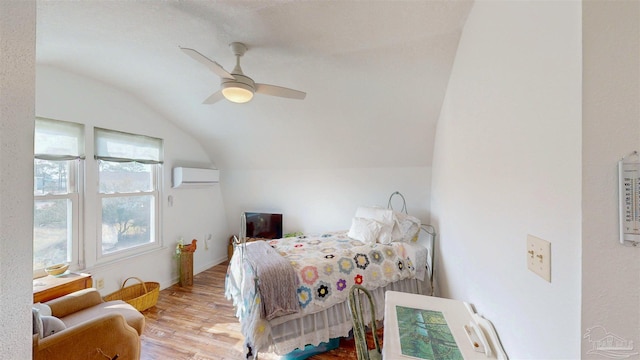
(232, 329)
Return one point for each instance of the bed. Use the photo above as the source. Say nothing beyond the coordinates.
(310, 277)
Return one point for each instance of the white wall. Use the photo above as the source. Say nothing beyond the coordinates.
(317, 200)
(195, 213)
(17, 89)
(507, 163)
(611, 130)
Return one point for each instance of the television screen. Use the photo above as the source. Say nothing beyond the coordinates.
(263, 225)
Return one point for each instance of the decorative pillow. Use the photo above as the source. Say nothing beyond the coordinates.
(366, 230)
(51, 325)
(406, 228)
(44, 309)
(381, 215)
(37, 322)
(45, 325)
(385, 235)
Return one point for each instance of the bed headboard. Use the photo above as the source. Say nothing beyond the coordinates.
(430, 230)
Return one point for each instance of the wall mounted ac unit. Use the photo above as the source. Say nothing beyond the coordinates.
(192, 177)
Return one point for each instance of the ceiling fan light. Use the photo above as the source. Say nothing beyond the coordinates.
(237, 92)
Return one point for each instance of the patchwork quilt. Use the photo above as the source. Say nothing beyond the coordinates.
(327, 266)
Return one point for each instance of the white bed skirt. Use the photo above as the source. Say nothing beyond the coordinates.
(294, 332)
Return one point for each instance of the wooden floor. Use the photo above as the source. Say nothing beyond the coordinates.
(198, 322)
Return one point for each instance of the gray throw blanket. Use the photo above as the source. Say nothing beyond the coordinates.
(277, 280)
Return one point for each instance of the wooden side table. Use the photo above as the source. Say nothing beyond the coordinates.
(186, 268)
(51, 287)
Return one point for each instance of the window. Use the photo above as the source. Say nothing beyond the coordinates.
(126, 204)
(59, 150)
(128, 181)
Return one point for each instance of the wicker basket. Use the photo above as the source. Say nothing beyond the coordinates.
(141, 296)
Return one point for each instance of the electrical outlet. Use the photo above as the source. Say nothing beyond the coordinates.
(539, 257)
(99, 283)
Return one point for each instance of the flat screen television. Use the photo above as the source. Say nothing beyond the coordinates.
(263, 225)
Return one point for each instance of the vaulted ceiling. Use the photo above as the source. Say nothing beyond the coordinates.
(375, 72)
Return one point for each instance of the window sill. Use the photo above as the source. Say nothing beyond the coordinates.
(106, 264)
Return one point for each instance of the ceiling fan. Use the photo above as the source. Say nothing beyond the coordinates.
(236, 86)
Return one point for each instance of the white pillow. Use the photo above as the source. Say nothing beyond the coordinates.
(51, 325)
(366, 230)
(381, 215)
(45, 325)
(37, 322)
(44, 309)
(385, 235)
(406, 228)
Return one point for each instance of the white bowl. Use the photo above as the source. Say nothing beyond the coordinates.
(56, 269)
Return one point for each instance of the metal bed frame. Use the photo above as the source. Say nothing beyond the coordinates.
(431, 231)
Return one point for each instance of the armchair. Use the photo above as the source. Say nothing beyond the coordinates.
(95, 329)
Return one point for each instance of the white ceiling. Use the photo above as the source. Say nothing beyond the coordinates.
(375, 72)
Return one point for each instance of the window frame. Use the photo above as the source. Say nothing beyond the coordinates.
(156, 164)
(156, 242)
(84, 193)
(73, 255)
(75, 185)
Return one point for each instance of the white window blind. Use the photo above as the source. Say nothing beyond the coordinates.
(57, 191)
(129, 168)
(119, 146)
(58, 140)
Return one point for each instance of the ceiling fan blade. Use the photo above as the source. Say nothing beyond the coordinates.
(280, 91)
(212, 65)
(214, 98)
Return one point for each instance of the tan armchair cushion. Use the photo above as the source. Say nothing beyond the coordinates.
(133, 317)
(87, 304)
(74, 302)
(105, 336)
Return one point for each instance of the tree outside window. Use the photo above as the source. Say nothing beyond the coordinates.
(128, 204)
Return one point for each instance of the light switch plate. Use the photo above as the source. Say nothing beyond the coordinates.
(539, 257)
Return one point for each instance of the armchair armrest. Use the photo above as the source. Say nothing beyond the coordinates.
(107, 335)
(74, 302)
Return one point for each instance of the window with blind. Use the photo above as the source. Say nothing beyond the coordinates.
(57, 168)
(129, 168)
